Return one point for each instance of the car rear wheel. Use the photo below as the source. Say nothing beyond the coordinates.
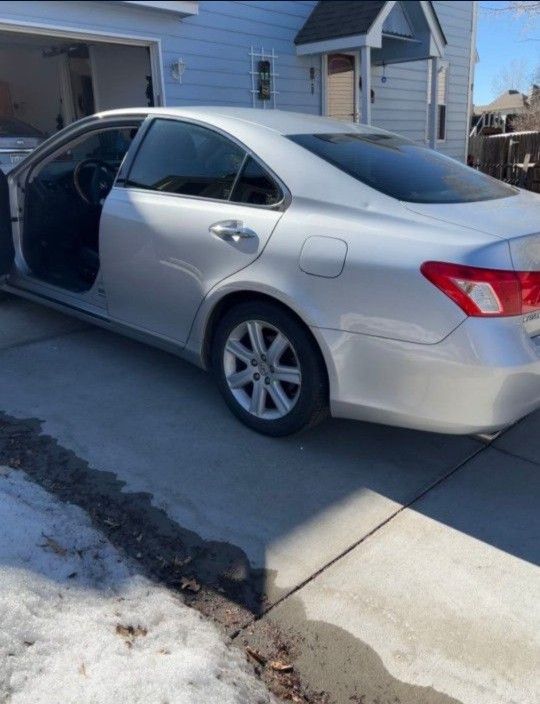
(269, 369)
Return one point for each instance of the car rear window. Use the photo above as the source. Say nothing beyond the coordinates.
(402, 169)
(9, 127)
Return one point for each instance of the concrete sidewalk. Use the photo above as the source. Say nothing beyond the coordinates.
(403, 564)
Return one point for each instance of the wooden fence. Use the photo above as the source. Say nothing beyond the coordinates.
(514, 158)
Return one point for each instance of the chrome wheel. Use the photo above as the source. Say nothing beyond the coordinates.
(262, 369)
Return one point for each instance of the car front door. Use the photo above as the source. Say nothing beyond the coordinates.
(194, 208)
(6, 239)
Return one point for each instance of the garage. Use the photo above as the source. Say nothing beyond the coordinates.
(49, 81)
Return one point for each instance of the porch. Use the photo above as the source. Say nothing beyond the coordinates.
(357, 40)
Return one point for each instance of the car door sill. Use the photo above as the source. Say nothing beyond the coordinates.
(53, 302)
(104, 321)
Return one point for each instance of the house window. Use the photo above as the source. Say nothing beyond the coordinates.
(442, 90)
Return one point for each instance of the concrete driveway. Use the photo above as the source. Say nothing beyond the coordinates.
(402, 565)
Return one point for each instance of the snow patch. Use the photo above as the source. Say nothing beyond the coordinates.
(78, 625)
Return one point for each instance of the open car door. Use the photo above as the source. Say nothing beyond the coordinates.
(6, 239)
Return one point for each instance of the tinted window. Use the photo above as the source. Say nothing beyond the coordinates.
(403, 169)
(255, 186)
(177, 157)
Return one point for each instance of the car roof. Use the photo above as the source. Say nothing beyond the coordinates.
(279, 121)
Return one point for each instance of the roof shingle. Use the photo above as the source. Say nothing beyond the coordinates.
(331, 19)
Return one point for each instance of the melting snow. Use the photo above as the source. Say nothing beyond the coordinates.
(78, 625)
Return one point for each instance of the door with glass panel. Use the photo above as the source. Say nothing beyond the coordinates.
(195, 208)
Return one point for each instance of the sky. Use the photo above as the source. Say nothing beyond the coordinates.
(507, 46)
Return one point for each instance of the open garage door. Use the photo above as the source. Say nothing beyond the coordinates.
(48, 82)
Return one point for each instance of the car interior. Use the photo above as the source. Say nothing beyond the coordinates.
(63, 202)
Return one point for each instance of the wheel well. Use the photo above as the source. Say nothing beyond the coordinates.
(233, 299)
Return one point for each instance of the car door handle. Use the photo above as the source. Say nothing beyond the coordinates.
(232, 230)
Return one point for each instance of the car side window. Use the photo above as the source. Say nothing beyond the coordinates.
(178, 157)
(255, 186)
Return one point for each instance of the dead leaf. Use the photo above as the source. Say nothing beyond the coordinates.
(82, 669)
(280, 666)
(130, 632)
(179, 562)
(189, 584)
(53, 545)
(256, 655)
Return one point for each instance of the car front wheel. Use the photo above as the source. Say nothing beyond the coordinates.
(269, 369)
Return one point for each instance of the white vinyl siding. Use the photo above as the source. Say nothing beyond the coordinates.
(401, 103)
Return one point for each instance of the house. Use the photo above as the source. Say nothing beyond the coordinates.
(497, 117)
(403, 66)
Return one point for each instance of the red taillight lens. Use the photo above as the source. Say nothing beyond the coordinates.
(486, 292)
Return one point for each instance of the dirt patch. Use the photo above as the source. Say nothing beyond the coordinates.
(328, 658)
(214, 577)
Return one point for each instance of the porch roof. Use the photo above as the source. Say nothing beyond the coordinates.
(335, 25)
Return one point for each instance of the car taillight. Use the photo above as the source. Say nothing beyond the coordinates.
(486, 292)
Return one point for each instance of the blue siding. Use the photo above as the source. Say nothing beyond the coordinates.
(215, 46)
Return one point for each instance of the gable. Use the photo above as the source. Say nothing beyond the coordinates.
(397, 23)
(331, 19)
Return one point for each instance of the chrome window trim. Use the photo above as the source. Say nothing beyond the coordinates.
(281, 205)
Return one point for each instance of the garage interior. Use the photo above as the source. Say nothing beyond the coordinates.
(49, 82)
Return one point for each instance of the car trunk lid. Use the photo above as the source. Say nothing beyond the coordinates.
(515, 219)
(506, 218)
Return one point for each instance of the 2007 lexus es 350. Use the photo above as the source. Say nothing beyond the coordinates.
(310, 264)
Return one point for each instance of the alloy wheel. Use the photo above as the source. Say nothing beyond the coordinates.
(262, 369)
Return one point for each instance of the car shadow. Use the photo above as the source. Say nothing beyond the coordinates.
(154, 435)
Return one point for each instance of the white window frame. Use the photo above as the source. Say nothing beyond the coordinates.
(443, 65)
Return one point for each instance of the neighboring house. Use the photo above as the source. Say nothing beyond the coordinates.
(403, 66)
(497, 117)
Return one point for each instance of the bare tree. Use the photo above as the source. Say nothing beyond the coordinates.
(516, 76)
(524, 7)
(530, 119)
(527, 9)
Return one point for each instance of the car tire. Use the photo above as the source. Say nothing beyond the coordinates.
(279, 388)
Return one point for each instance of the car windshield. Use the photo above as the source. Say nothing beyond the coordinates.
(402, 169)
(10, 127)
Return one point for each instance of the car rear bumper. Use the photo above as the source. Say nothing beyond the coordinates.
(481, 378)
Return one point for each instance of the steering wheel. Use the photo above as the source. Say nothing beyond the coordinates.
(100, 181)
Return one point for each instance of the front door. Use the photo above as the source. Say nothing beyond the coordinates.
(195, 209)
(341, 87)
(6, 239)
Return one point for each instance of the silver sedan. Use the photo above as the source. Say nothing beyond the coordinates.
(311, 265)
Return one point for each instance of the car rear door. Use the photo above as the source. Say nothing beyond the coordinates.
(171, 231)
(6, 238)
